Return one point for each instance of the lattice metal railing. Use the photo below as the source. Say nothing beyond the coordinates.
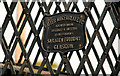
(9, 49)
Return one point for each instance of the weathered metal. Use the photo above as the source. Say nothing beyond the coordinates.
(82, 55)
(64, 32)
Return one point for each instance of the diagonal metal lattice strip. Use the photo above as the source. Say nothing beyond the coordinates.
(99, 54)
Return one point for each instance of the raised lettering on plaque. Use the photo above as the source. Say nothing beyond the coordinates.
(64, 32)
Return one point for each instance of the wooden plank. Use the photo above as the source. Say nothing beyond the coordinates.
(18, 50)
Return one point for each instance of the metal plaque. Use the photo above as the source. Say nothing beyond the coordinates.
(64, 32)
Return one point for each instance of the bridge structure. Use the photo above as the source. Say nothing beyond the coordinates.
(65, 67)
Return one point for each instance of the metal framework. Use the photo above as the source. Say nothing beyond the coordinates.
(67, 70)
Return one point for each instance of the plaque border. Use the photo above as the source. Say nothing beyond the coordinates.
(59, 50)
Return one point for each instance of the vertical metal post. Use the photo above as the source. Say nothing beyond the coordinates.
(0, 71)
(0, 34)
(118, 45)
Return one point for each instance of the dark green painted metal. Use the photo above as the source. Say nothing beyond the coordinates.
(110, 7)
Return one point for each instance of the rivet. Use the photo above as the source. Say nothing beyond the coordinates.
(36, 35)
(64, 56)
(17, 37)
(66, 9)
(27, 13)
(9, 16)
(45, 57)
(5, 60)
(41, 6)
(116, 28)
(118, 61)
(87, 8)
(47, 11)
(65, 64)
(105, 53)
